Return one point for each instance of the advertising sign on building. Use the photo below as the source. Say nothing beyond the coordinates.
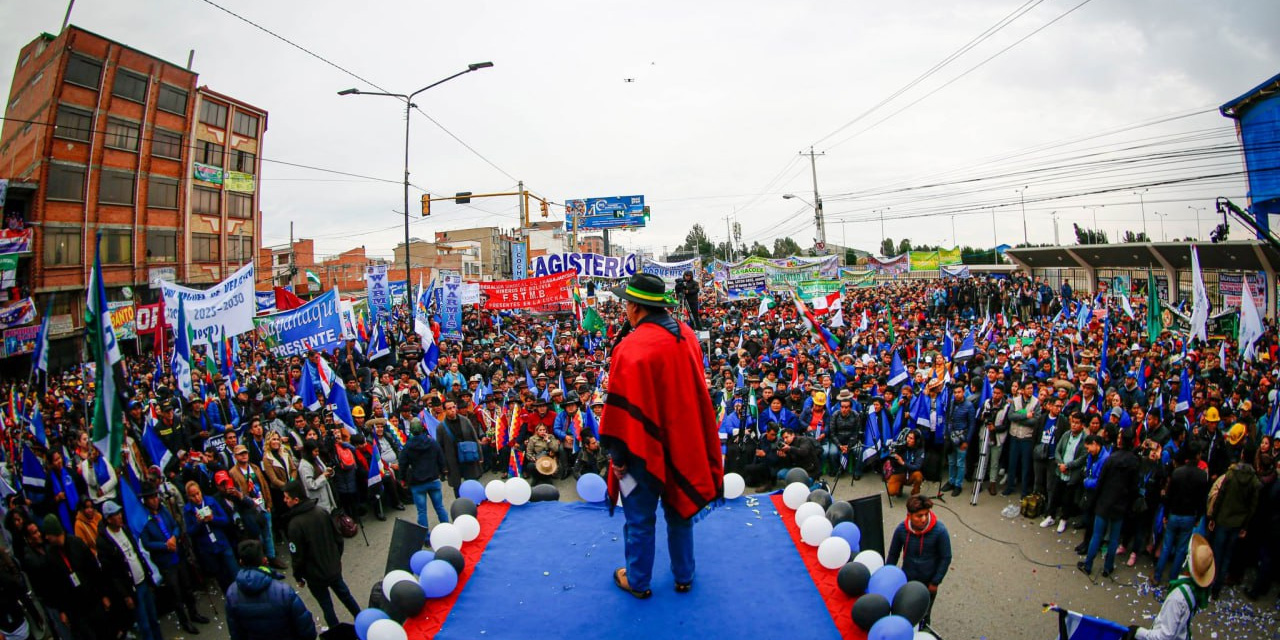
(122, 320)
(241, 182)
(21, 340)
(208, 173)
(613, 212)
(158, 275)
(61, 324)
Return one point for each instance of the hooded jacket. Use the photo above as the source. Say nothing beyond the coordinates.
(260, 606)
(314, 543)
(926, 555)
(1237, 497)
(421, 460)
(1117, 484)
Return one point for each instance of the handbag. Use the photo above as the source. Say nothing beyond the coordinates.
(345, 524)
(468, 450)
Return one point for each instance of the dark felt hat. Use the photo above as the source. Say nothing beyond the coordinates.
(646, 289)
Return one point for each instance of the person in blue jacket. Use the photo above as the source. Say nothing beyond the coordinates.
(162, 539)
(220, 413)
(261, 604)
(776, 413)
(960, 420)
(735, 420)
(207, 525)
(924, 545)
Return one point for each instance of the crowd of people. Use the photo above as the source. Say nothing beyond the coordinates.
(1003, 386)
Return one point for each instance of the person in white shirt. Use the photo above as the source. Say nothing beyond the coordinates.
(100, 478)
(1188, 594)
(128, 572)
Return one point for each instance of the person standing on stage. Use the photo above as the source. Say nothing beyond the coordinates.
(924, 544)
(659, 449)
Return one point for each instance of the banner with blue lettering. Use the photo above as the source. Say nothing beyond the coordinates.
(670, 271)
(314, 326)
(266, 301)
(379, 290)
(450, 305)
(225, 309)
(399, 289)
(587, 265)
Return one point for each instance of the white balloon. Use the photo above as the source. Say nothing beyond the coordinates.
(808, 510)
(495, 491)
(734, 486)
(446, 534)
(386, 630)
(796, 494)
(392, 578)
(925, 635)
(834, 552)
(870, 559)
(518, 491)
(815, 530)
(468, 526)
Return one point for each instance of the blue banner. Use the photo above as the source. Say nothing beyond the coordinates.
(379, 289)
(450, 305)
(314, 326)
(266, 301)
(519, 260)
(399, 289)
(606, 213)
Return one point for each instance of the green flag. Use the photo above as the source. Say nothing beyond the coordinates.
(108, 408)
(889, 333)
(1154, 325)
(591, 320)
(313, 280)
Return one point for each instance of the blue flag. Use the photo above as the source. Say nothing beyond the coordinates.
(375, 464)
(36, 424)
(378, 346)
(967, 348)
(154, 447)
(33, 473)
(1184, 392)
(897, 372)
(948, 346)
(1078, 626)
(134, 512)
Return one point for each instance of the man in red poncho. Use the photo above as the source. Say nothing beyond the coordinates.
(660, 431)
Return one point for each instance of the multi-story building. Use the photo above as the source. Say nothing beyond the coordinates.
(105, 140)
(286, 265)
(495, 249)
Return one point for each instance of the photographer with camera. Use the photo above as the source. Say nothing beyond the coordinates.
(686, 290)
(904, 463)
(795, 450)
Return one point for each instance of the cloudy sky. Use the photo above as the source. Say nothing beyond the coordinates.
(1080, 104)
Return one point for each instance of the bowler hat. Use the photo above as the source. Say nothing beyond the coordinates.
(645, 289)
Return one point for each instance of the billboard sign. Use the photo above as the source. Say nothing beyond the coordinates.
(613, 212)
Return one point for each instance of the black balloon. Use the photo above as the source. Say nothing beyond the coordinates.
(796, 474)
(462, 506)
(822, 497)
(407, 600)
(911, 602)
(853, 578)
(545, 493)
(868, 610)
(453, 557)
(840, 512)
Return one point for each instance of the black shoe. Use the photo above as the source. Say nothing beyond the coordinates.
(190, 628)
(956, 491)
(1081, 567)
(195, 617)
(1081, 549)
(398, 507)
(1106, 574)
(946, 487)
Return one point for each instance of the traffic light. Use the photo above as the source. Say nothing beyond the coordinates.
(426, 204)
(462, 197)
(546, 209)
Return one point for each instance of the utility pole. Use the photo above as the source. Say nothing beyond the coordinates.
(954, 242)
(1022, 199)
(728, 227)
(1197, 210)
(1143, 203)
(995, 242)
(882, 236)
(817, 201)
(1056, 242)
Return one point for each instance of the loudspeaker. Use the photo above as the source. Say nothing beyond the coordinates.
(406, 539)
(869, 516)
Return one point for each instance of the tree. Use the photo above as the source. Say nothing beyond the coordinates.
(904, 246)
(1130, 236)
(696, 240)
(1089, 236)
(887, 247)
(758, 250)
(785, 247)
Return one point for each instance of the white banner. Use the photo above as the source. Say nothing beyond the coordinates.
(347, 310)
(471, 293)
(228, 306)
(670, 271)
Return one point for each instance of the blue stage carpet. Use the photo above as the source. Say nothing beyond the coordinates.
(548, 573)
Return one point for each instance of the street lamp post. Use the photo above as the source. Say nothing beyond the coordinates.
(408, 107)
(1022, 199)
(1163, 236)
(1143, 203)
(1054, 215)
(1199, 231)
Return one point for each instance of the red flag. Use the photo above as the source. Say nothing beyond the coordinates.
(286, 300)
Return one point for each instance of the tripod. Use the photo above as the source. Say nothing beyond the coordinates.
(980, 474)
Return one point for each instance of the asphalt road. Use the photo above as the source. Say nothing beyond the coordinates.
(1004, 572)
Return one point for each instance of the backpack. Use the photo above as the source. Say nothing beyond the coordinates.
(1033, 506)
(1214, 492)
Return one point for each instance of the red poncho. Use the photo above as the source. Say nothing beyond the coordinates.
(659, 408)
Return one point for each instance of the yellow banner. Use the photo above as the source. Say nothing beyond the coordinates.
(949, 256)
(236, 181)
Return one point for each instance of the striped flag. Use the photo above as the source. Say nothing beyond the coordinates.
(108, 408)
(897, 372)
(375, 464)
(33, 473)
(180, 365)
(40, 357)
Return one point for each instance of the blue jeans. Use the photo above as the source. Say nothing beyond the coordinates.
(269, 536)
(831, 455)
(1020, 464)
(420, 493)
(1177, 535)
(1110, 529)
(1224, 542)
(144, 606)
(641, 512)
(955, 467)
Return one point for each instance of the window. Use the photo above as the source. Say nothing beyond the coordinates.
(239, 248)
(172, 99)
(204, 247)
(73, 123)
(207, 201)
(61, 247)
(130, 86)
(116, 187)
(66, 182)
(162, 246)
(209, 153)
(239, 206)
(166, 144)
(213, 114)
(122, 134)
(162, 193)
(83, 71)
(282, 259)
(246, 125)
(117, 246)
(243, 162)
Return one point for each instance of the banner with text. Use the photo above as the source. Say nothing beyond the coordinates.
(587, 265)
(670, 271)
(315, 325)
(471, 293)
(450, 305)
(1232, 287)
(17, 313)
(14, 241)
(856, 278)
(122, 320)
(519, 260)
(266, 301)
(923, 260)
(810, 289)
(147, 319)
(398, 289)
(378, 288)
(745, 280)
(949, 256)
(227, 308)
(954, 270)
(21, 340)
(788, 278)
(527, 293)
(889, 265)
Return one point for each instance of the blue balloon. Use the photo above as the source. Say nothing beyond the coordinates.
(366, 618)
(886, 581)
(438, 579)
(592, 488)
(850, 532)
(419, 559)
(472, 490)
(891, 628)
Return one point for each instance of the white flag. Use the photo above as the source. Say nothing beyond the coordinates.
(1250, 322)
(1200, 297)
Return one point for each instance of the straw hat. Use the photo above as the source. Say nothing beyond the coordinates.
(546, 465)
(1200, 561)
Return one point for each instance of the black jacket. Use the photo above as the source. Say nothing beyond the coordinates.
(421, 460)
(845, 430)
(260, 606)
(116, 576)
(315, 544)
(1117, 485)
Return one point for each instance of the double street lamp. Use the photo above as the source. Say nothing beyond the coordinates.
(408, 106)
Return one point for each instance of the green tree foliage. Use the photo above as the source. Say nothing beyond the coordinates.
(887, 247)
(1089, 236)
(785, 247)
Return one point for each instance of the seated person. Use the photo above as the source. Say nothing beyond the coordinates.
(591, 458)
(798, 451)
(539, 445)
(763, 470)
